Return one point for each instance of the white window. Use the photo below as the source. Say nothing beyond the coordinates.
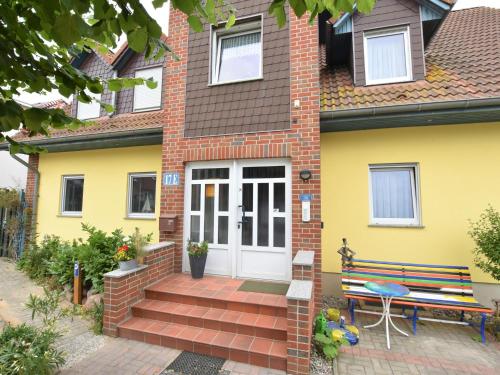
(387, 56)
(141, 195)
(85, 111)
(237, 53)
(394, 194)
(146, 99)
(72, 195)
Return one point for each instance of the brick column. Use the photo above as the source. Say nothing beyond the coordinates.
(33, 161)
(172, 197)
(299, 315)
(305, 89)
(124, 288)
(303, 265)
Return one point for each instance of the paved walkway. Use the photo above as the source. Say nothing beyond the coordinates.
(437, 349)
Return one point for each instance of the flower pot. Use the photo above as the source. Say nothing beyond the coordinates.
(128, 265)
(197, 264)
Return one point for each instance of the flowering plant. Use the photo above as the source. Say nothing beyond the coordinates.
(124, 253)
(197, 249)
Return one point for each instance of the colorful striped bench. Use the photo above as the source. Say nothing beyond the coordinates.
(431, 285)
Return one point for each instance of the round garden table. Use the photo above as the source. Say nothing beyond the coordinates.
(387, 291)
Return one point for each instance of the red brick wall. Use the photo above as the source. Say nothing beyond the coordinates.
(120, 293)
(300, 143)
(30, 188)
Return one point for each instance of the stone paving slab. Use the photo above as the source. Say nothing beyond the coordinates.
(436, 349)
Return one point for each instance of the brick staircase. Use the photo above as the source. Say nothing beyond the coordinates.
(212, 317)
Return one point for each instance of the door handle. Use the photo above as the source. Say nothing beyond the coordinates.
(243, 217)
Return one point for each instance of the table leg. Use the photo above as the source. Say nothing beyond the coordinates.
(381, 318)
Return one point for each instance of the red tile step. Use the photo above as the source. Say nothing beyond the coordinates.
(254, 303)
(257, 351)
(265, 326)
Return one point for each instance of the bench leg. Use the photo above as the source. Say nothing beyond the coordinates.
(352, 302)
(483, 326)
(414, 320)
(462, 315)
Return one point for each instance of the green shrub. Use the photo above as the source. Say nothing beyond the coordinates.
(486, 235)
(36, 260)
(28, 350)
(97, 315)
(62, 262)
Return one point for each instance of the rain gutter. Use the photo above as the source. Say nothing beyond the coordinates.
(432, 113)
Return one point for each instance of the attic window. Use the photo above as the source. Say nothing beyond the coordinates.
(86, 111)
(146, 99)
(387, 56)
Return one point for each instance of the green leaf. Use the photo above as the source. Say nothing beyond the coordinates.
(365, 6)
(34, 118)
(298, 6)
(151, 84)
(137, 39)
(230, 21)
(159, 3)
(195, 23)
(185, 6)
(67, 29)
(115, 85)
(330, 352)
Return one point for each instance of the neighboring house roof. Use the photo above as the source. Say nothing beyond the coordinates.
(462, 62)
(53, 104)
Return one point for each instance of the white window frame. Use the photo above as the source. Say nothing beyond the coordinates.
(93, 103)
(415, 186)
(160, 83)
(217, 35)
(405, 30)
(137, 215)
(63, 194)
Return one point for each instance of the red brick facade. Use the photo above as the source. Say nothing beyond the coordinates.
(30, 188)
(120, 293)
(300, 144)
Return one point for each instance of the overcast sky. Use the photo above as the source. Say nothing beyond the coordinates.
(161, 18)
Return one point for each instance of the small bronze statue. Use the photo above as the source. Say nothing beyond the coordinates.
(346, 253)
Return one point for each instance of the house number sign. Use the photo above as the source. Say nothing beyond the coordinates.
(171, 179)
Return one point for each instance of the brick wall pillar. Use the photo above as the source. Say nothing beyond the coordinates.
(124, 288)
(305, 89)
(299, 315)
(33, 161)
(172, 197)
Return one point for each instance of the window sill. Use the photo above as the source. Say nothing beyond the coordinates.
(236, 81)
(415, 226)
(70, 215)
(153, 218)
(152, 109)
(389, 82)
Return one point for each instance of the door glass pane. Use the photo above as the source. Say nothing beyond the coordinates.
(247, 232)
(195, 228)
(264, 172)
(263, 215)
(279, 231)
(222, 235)
(223, 197)
(195, 197)
(210, 173)
(209, 213)
(279, 197)
(248, 197)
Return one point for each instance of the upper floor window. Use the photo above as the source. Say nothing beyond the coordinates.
(72, 195)
(237, 53)
(394, 194)
(387, 56)
(146, 99)
(85, 111)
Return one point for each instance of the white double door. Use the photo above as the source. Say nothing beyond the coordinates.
(243, 210)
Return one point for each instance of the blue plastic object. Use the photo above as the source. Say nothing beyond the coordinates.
(387, 289)
(351, 337)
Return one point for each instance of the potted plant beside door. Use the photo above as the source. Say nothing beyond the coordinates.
(197, 258)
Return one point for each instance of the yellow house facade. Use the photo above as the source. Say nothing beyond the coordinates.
(106, 177)
(457, 177)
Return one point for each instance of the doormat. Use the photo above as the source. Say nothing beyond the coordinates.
(188, 363)
(264, 287)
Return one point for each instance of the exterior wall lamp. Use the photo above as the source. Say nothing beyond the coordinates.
(305, 174)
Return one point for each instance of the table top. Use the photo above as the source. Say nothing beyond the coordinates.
(387, 289)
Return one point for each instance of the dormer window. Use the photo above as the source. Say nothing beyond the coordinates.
(86, 111)
(146, 99)
(387, 56)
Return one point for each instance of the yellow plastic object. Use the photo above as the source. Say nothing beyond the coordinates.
(337, 335)
(333, 314)
(354, 330)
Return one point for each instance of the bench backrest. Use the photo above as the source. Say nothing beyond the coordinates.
(444, 279)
